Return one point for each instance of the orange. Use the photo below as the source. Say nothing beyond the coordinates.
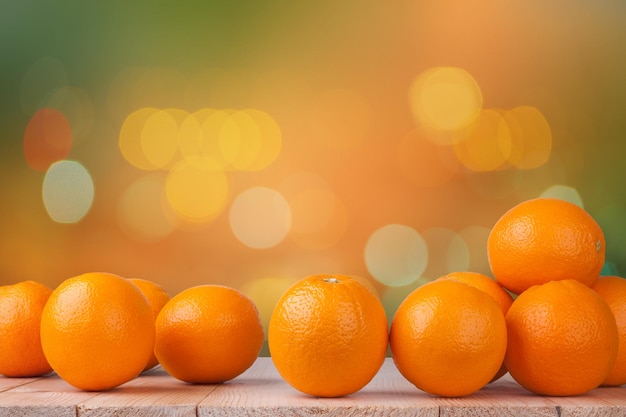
(20, 316)
(486, 284)
(448, 338)
(328, 335)
(613, 290)
(97, 331)
(208, 334)
(542, 240)
(562, 339)
(491, 287)
(157, 298)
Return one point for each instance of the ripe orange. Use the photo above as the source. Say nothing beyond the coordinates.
(157, 298)
(448, 338)
(486, 284)
(208, 334)
(328, 335)
(613, 290)
(20, 316)
(542, 240)
(562, 339)
(491, 287)
(97, 331)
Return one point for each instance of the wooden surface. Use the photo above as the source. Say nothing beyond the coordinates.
(261, 392)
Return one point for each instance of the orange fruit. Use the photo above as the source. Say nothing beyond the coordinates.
(542, 240)
(157, 298)
(448, 338)
(21, 305)
(208, 334)
(491, 287)
(486, 284)
(612, 289)
(562, 339)
(97, 331)
(328, 335)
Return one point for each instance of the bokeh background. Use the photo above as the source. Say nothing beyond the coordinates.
(252, 144)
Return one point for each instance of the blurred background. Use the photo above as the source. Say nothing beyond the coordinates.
(252, 144)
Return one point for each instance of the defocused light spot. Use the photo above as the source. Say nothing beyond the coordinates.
(159, 136)
(247, 140)
(424, 163)
(339, 119)
(130, 140)
(271, 140)
(445, 98)
(142, 212)
(564, 192)
(218, 128)
(447, 252)
(530, 136)
(396, 255)
(47, 139)
(190, 134)
(319, 219)
(68, 191)
(239, 140)
(475, 238)
(265, 292)
(485, 144)
(260, 217)
(41, 79)
(198, 190)
(77, 107)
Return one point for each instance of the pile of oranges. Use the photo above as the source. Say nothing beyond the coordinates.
(547, 317)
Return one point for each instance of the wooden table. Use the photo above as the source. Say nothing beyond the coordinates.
(261, 392)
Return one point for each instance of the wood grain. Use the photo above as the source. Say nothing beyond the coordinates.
(8, 383)
(154, 394)
(261, 392)
(47, 396)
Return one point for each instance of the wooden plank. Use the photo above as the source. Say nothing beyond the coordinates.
(600, 402)
(504, 397)
(47, 396)
(8, 383)
(153, 394)
(260, 392)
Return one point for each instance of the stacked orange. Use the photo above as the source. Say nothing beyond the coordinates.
(562, 331)
(562, 335)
